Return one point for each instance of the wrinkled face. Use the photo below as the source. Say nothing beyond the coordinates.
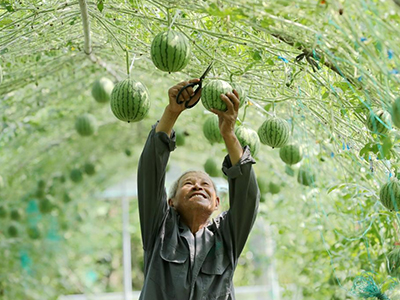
(195, 192)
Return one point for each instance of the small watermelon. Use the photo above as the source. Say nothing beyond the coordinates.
(170, 51)
(242, 93)
(211, 94)
(393, 262)
(89, 168)
(128, 152)
(290, 154)
(274, 132)
(379, 122)
(101, 90)
(247, 136)
(180, 137)
(389, 195)
(76, 175)
(263, 185)
(33, 232)
(274, 188)
(305, 176)
(395, 112)
(45, 206)
(211, 130)
(130, 101)
(3, 212)
(86, 124)
(12, 231)
(211, 167)
(15, 215)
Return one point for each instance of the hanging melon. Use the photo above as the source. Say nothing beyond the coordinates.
(86, 124)
(242, 93)
(395, 112)
(130, 100)
(101, 89)
(274, 132)
(89, 168)
(290, 154)
(393, 262)
(170, 51)
(306, 176)
(76, 175)
(247, 136)
(211, 130)
(211, 94)
(211, 167)
(389, 195)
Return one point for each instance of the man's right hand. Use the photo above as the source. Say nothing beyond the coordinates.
(173, 106)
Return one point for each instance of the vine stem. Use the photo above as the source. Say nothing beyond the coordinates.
(86, 26)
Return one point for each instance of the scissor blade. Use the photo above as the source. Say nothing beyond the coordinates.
(207, 70)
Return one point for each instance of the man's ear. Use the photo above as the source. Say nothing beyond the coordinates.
(170, 202)
(217, 202)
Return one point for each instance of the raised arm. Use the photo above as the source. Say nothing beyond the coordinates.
(152, 196)
(244, 194)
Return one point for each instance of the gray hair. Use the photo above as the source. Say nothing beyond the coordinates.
(174, 187)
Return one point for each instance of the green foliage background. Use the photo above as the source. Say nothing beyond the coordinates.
(325, 234)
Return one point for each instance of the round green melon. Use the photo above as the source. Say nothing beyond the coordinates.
(274, 188)
(242, 93)
(130, 101)
(395, 112)
(45, 206)
(3, 212)
(306, 176)
(247, 136)
(89, 168)
(15, 215)
(211, 130)
(379, 122)
(211, 167)
(211, 94)
(263, 185)
(33, 232)
(128, 152)
(76, 175)
(101, 90)
(290, 154)
(12, 231)
(86, 124)
(179, 137)
(170, 51)
(393, 262)
(274, 132)
(389, 195)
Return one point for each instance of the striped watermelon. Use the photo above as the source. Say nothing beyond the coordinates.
(274, 132)
(393, 262)
(101, 90)
(290, 154)
(242, 93)
(379, 122)
(395, 112)
(274, 188)
(390, 195)
(306, 176)
(76, 175)
(211, 130)
(211, 94)
(247, 136)
(170, 51)
(211, 167)
(180, 137)
(86, 124)
(12, 231)
(130, 100)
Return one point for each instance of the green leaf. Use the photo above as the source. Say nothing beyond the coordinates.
(5, 21)
(257, 55)
(7, 5)
(100, 5)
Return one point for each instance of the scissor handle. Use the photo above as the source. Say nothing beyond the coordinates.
(193, 84)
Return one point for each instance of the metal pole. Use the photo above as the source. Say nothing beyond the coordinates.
(126, 240)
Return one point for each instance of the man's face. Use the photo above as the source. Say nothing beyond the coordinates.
(195, 192)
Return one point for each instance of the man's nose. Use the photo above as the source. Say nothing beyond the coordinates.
(197, 186)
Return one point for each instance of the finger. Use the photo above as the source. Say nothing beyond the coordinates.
(228, 102)
(194, 80)
(234, 97)
(196, 97)
(185, 95)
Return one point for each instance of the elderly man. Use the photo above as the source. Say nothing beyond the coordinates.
(186, 255)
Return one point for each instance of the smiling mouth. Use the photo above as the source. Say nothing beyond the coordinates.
(198, 194)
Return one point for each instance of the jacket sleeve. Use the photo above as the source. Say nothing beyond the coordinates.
(244, 198)
(152, 196)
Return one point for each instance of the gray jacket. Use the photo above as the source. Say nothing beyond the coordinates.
(177, 264)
